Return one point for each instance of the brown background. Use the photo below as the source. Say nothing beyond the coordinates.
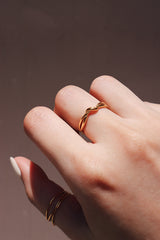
(47, 44)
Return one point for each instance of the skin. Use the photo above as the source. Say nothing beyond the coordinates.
(115, 178)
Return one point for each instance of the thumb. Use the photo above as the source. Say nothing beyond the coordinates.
(40, 190)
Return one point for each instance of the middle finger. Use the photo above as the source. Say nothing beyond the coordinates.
(71, 103)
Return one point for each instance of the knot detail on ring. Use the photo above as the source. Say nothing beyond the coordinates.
(88, 112)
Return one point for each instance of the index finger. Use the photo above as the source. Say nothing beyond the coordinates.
(55, 137)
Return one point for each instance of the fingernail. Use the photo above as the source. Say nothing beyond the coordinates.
(15, 166)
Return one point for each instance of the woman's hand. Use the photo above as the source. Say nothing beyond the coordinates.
(115, 178)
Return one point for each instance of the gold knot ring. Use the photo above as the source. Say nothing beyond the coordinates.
(89, 111)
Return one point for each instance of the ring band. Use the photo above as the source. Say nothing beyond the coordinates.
(54, 204)
(57, 206)
(89, 111)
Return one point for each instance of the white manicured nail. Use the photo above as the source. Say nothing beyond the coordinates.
(15, 166)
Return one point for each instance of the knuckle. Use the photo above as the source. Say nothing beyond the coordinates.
(100, 80)
(64, 92)
(90, 174)
(36, 111)
(87, 171)
(137, 146)
(34, 116)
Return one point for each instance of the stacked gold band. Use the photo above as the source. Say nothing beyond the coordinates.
(89, 111)
(54, 204)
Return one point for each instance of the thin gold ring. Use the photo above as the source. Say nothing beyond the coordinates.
(54, 204)
(58, 204)
(48, 213)
(90, 111)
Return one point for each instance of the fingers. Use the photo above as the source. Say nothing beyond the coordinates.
(40, 190)
(55, 138)
(71, 103)
(121, 100)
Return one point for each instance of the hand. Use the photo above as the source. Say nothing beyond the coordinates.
(115, 178)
